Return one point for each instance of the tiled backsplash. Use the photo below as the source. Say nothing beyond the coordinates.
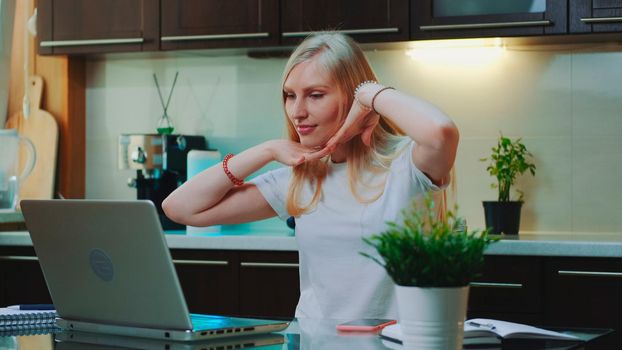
(566, 104)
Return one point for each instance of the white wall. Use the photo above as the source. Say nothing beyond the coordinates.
(566, 104)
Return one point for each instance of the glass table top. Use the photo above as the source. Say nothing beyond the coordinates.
(301, 334)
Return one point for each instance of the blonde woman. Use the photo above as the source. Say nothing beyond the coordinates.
(358, 151)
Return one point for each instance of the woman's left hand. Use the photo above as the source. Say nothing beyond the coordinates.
(359, 121)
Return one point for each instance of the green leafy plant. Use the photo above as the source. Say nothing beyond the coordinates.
(427, 252)
(507, 161)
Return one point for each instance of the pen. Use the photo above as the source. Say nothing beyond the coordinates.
(482, 325)
(31, 307)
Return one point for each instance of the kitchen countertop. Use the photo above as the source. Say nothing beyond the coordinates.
(11, 216)
(236, 238)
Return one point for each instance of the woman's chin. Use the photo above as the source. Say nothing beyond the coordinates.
(311, 143)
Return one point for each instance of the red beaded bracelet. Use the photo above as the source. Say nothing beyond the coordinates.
(234, 180)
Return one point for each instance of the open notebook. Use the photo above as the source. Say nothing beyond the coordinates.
(489, 331)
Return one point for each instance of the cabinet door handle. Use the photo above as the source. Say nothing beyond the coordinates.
(201, 262)
(58, 43)
(345, 31)
(18, 258)
(496, 285)
(215, 37)
(486, 25)
(590, 20)
(277, 265)
(589, 273)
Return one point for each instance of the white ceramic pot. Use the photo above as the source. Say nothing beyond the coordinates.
(432, 318)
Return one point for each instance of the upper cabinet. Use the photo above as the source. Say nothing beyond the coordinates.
(365, 21)
(448, 19)
(595, 16)
(78, 27)
(201, 24)
(101, 26)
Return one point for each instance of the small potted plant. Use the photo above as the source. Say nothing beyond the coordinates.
(508, 160)
(432, 261)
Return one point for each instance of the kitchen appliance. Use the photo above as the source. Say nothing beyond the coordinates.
(42, 129)
(10, 177)
(160, 162)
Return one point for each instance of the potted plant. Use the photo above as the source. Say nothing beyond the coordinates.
(508, 160)
(431, 262)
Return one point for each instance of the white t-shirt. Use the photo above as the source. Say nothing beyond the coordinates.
(336, 281)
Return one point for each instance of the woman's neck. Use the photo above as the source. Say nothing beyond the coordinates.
(339, 155)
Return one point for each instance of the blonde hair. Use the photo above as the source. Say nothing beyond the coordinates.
(345, 62)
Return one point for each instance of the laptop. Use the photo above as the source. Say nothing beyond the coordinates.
(109, 270)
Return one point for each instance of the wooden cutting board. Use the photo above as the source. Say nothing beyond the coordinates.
(41, 128)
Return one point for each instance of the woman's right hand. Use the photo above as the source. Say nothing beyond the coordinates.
(291, 153)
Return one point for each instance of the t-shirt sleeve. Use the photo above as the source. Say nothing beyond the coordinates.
(273, 187)
(416, 175)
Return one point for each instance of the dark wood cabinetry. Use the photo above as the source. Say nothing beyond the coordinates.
(510, 288)
(366, 21)
(225, 282)
(538, 290)
(80, 27)
(595, 16)
(201, 24)
(21, 278)
(269, 283)
(208, 279)
(585, 292)
(446, 19)
(101, 26)
(551, 291)
(245, 283)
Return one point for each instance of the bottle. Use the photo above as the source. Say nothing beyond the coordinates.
(165, 127)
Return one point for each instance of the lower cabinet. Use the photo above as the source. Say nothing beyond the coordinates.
(244, 283)
(208, 279)
(560, 292)
(545, 291)
(269, 284)
(21, 279)
(585, 292)
(510, 288)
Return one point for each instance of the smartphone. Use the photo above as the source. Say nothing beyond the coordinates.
(365, 325)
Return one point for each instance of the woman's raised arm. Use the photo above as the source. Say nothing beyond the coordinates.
(211, 198)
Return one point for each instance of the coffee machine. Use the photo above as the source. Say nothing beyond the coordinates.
(160, 162)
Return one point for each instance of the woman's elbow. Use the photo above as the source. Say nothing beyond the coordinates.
(447, 136)
(172, 210)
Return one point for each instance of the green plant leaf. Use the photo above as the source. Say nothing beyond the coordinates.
(426, 252)
(509, 159)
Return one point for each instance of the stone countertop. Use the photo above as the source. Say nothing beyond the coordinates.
(11, 216)
(536, 244)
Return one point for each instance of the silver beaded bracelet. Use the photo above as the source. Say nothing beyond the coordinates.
(356, 92)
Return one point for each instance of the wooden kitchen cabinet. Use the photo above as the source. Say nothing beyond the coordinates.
(97, 26)
(209, 280)
(269, 283)
(585, 292)
(595, 16)
(204, 24)
(510, 288)
(448, 19)
(21, 278)
(244, 283)
(366, 21)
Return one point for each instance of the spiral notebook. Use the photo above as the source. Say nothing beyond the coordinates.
(13, 317)
(28, 329)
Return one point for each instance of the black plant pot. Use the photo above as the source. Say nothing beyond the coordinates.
(503, 217)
